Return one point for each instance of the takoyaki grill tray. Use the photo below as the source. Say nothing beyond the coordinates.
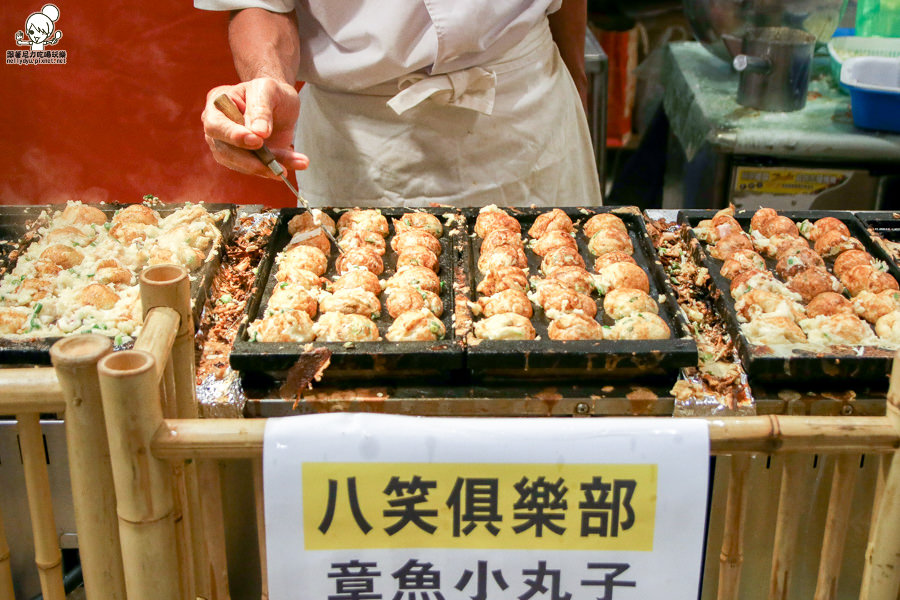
(763, 363)
(545, 358)
(884, 223)
(357, 360)
(17, 222)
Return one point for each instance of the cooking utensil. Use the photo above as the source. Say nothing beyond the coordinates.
(774, 67)
(265, 156)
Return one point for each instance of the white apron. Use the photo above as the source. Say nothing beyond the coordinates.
(511, 132)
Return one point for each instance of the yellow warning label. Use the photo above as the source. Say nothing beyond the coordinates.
(487, 506)
(786, 180)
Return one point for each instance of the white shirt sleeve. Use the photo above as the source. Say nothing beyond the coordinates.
(280, 6)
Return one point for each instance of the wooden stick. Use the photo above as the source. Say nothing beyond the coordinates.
(184, 439)
(75, 359)
(214, 525)
(47, 556)
(6, 582)
(846, 468)
(130, 390)
(259, 502)
(30, 390)
(787, 525)
(732, 557)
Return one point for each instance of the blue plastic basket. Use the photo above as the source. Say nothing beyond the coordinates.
(874, 84)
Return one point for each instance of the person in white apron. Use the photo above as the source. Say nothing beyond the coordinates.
(408, 103)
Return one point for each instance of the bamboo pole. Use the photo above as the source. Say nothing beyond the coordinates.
(881, 576)
(30, 390)
(130, 391)
(259, 503)
(47, 556)
(223, 439)
(787, 525)
(75, 359)
(837, 520)
(731, 558)
(6, 582)
(214, 525)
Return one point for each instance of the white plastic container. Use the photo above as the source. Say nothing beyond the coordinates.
(874, 84)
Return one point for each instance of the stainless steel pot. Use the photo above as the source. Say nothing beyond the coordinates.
(774, 66)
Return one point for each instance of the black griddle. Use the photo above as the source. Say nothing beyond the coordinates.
(18, 222)
(869, 363)
(261, 361)
(545, 358)
(884, 223)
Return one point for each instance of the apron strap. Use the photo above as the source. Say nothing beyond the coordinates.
(472, 89)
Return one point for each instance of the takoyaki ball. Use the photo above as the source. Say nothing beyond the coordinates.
(622, 302)
(779, 225)
(723, 226)
(867, 277)
(419, 257)
(888, 327)
(362, 279)
(415, 326)
(611, 258)
(502, 256)
(45, 267)
(490, 220)
(558, 300)
(555, 220)
(784, 244)
(704, 231)
(826, 224)
(575, 278)
(872, 307)
(82, 214)
(114, 275)
(798, 260)
(837, 329)
(340, 327)
(610, 240)
(740, 261)
(288, 326)
(603, 221)
(563, 256)
(812, 282)
(419, 220)
(747, 281)
(34, 289)
(65, 257)
(832, 243)
(503, 278)
(359, 258)
(763, 302)
(501, 237)
(507, 301)
(292, 297)
(623, 275)
(405, 298)
(361, 238)
(12, 320)
(413, 239)
(773, 330)
(827, 304)
(417, 277)
(507, 326)
(725, 247)
(551, 240)
(639, 326)
(307, 221)
(762, 216)
(311, 237)
(136, 214)
(573, 326)
(306, 258)
(351, 302)
(69, 236)
(849, 259)
(299, 277)
(98, 295)
(363, 220)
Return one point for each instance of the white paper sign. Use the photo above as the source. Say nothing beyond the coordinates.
(369, 507)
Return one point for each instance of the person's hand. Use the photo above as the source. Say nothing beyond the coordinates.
(270, 110)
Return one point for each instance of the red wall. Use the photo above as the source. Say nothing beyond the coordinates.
(122, 118)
